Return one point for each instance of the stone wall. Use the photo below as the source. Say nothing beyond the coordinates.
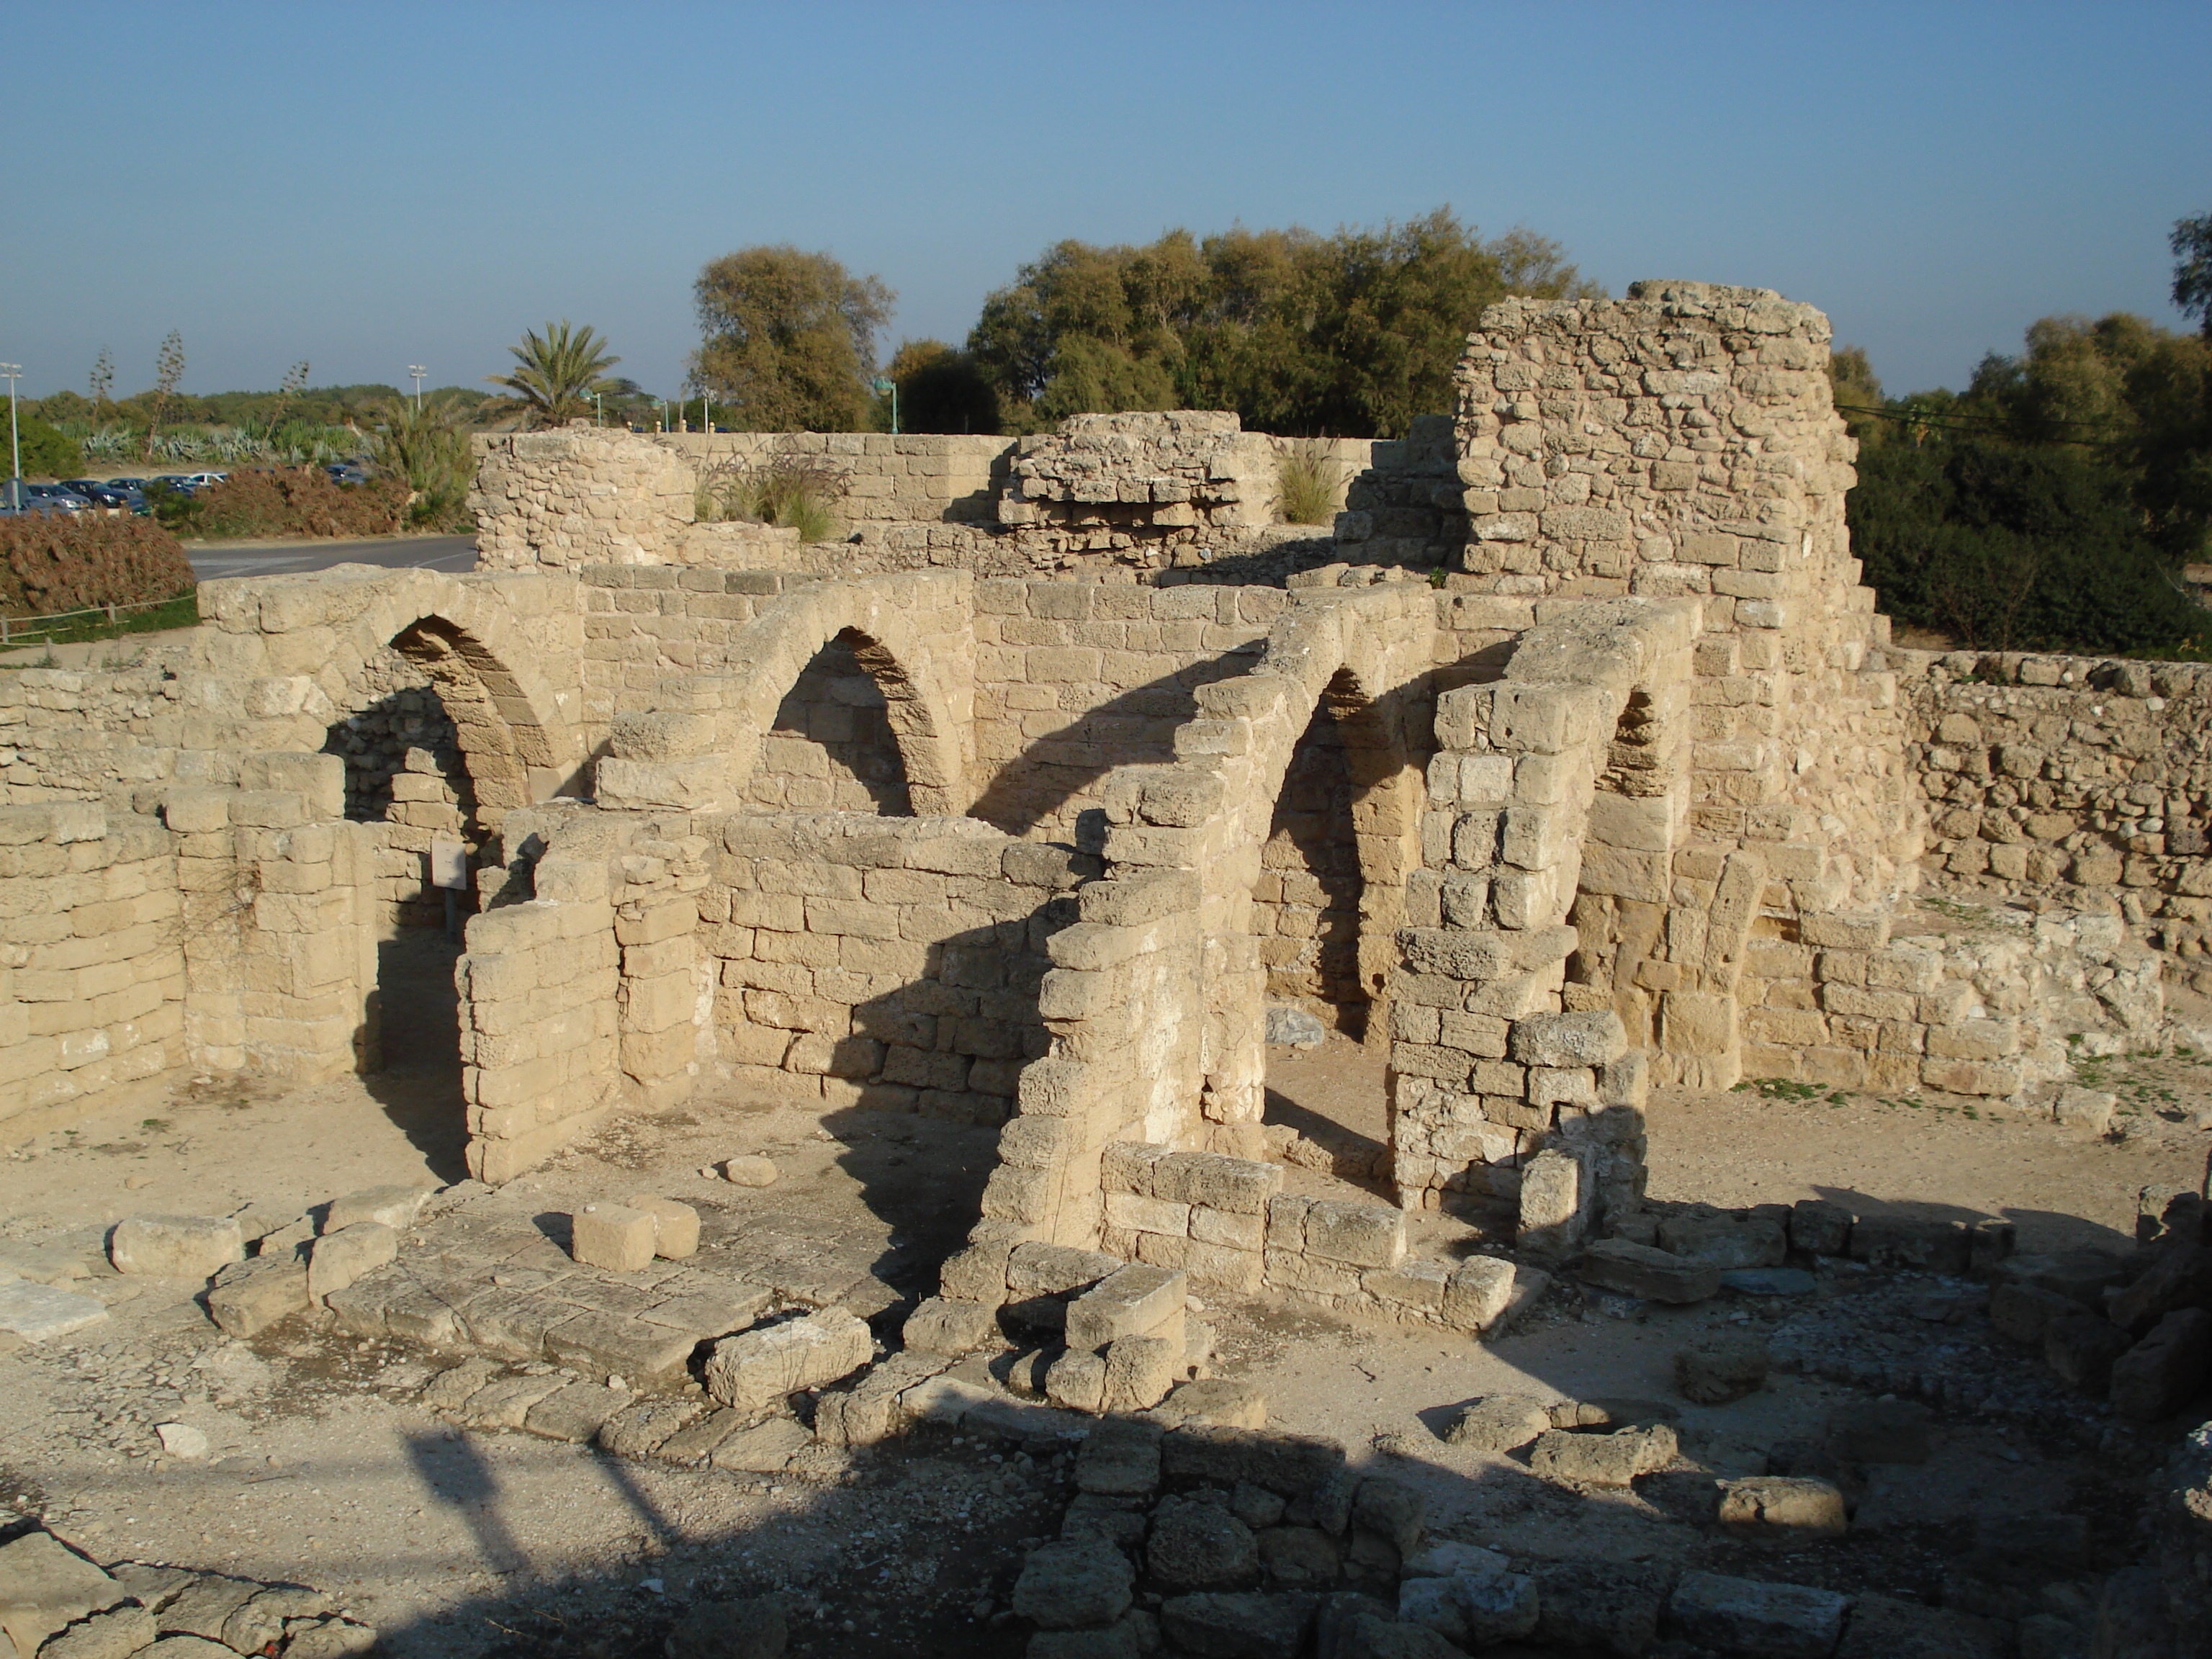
(831, 748)
(405, 769)
(89, 734)
(577, 495)
(913, 478)
(92, 978)
(2087, 781)
(892, 964)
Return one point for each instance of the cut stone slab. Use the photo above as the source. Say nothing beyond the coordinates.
(619, 1345)
(1744, 1615)
(612, 1237)
(340, 1258)
(42, 1264)
(1213, 1400)
(1783, 1509)
(1600, 1606)
(396, 1208)
(505, 1403)
(756, 1368)
(449, 1388)
(39, 1312)
(689, 1446)
(1601, 1460)
(1139, 1371)
(574, 1413)
(176, 1246)
(1291, 1026)
(1615, 1264)
(1499, 1423)
(636, 1430)
(1074, 1583)
(248, 1297)
(45, 1586)
(1242, 1623)
(1132, 1301)
(763, 1448)
(1883, 1627)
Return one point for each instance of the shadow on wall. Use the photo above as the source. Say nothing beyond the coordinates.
(831, 747)
(418, 1079)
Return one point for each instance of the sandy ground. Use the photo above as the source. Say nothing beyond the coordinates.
(325, 1468)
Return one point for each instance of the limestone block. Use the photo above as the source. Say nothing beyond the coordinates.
(391, 1206)
(675, 1224)
(757, 1367)
(1552, 1216)
(939, 1325)
(176, 1246)
(336, 1259)
(1744, 1615)
(613, 1236)
(1132, 1300)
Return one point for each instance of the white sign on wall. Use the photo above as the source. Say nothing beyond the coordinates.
(449, 864)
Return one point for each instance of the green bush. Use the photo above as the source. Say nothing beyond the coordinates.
(429, 448)
(55, 561)
(1309, 485)
(47, 452)
(299, 502)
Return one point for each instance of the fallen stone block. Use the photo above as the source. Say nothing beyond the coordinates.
(754, 1171)
(1723, 1241)
(1132, 1301)
(613, 1237)
(1819, 1227)
(636, 1431)
(755, 1368)
(2161, 1373)
(1783, 1509)
(1241, 1625)
(396, 1208)
(674, 1225)
(2080, 1349)
(940, 1326)
(1743, 1615)
(1613, 1411)
(1073, 1583)
(1883, 1627)
(182, 1440)
(1721, 1369)
(504, 1402)
(1601, 1460)
(1498, 1423)
(339, 1259)
(1615, 1264)
(2089, 1110)
(1932, 1246)
(2180, 1278)
(692, 1444)
(39, 1312)
(176, 1246)
(1610, 1607)
(248, 1297)
(45, 1587)
(1077, 1381)
(1478, 1294)
(1880, 1431)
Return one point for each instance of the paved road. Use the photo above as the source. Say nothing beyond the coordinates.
(446, 553)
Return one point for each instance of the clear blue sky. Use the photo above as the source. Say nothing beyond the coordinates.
(369, 185)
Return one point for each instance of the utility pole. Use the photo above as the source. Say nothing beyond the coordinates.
(14, 373)
(418, 371)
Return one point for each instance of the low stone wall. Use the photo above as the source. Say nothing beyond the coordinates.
(92, 979)
(886, 962)
(578, 496)
(911, 478)
(2087, 779)
(89, 734)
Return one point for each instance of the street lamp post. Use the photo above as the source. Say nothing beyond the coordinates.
(14, 371)
(418, 371)
(885, 383)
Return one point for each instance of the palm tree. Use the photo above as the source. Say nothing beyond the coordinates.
(559, 370)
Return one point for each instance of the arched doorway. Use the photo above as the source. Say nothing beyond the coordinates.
(832, 747)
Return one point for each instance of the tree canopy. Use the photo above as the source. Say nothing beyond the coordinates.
(788, 339)
(1352, 333)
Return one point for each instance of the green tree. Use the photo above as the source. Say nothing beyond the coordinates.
(941, 390)
(1303, 334)
(556, 372)
(1857, 391)
(428, 446)
(788, 339)
(2191, 242)
(47, 451)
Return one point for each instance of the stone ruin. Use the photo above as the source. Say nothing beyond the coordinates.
(1576, 762)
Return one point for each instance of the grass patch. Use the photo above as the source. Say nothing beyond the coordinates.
(792, 492)
(183, 611)
(1309, 485)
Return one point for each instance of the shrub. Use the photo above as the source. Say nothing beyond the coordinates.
(429, 448)
(1309, 485)
(795, 492)
(55, 562)
(299, 502)
(47, 452)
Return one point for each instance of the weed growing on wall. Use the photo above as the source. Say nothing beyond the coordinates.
(793, 492)
(1309, 485)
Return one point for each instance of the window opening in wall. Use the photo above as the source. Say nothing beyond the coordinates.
(831, 748)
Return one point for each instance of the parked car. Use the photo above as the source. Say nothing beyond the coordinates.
(348, 472)
(180, 482)
(126, 484)
(201, 480)
(98, 494)
(42, 498)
